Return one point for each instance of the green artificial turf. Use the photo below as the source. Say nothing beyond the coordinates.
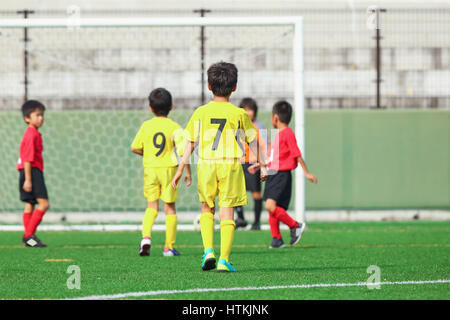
(328, 253)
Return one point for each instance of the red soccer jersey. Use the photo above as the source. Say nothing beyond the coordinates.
(31, 149)
(284, 151)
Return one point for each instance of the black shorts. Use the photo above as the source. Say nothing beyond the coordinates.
(38, 190)
(252, 181)
(279, 188)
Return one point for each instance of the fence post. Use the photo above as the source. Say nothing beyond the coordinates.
(377, 38)
(25, 13)
(202, 53)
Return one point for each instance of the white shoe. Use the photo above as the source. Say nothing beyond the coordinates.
(170, 252)
(144, 248)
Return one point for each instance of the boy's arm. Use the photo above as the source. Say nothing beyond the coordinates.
(255, 147)
(187, 176)
(137, 146)
(308, 175)
(138, 151)
(183, 163)
(27, 185)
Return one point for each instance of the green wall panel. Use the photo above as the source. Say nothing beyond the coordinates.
(365, 159)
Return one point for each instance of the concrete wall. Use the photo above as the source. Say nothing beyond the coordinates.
(88, 68)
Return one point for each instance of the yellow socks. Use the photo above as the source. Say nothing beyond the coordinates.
(207, 229)
(171, 230)
(148, 221)
(226, 238)
(226, 234)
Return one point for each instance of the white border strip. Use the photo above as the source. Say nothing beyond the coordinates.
(148, 22)
(75, 218)
(114, 227)
(299, 286)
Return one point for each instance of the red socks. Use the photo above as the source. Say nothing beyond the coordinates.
(33, 222)
(26, 216)
(279, 214)
(274, 224)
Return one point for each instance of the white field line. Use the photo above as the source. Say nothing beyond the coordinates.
(296, 286)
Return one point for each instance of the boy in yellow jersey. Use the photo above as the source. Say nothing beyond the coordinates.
(158, 141)
(219, 128)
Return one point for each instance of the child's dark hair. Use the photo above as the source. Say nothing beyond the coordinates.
(161, 101)
(30, 106)
(283, 110)
(222, 77)
(249, 103)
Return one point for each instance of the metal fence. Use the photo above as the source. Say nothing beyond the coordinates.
(340, 56)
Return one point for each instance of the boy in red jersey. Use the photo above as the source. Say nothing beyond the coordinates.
(31, 179)
(284, 157)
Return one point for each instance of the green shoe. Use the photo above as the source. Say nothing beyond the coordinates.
(224, 266)
(208, 260)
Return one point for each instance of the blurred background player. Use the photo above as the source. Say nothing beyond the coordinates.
(284, 157)
(218, 128)
(252, 181)
(31, 173)
(158, 141)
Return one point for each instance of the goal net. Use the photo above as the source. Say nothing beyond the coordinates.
(94, 77)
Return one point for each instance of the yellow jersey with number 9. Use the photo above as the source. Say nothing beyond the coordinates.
(220, 128)
(161, 140)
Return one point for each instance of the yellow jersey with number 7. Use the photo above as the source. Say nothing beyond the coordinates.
(220, 128)
(161, 140)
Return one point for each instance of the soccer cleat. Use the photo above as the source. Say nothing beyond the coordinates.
(256, 226)
(240, 223)
(277, 243)
(144, 248)
(170, 252)
(224, 266)
(208, 260)
(33, 241)
(296, 233)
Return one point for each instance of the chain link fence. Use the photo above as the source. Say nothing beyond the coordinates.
(340, 59)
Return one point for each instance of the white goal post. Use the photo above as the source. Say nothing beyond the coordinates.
(298, 62)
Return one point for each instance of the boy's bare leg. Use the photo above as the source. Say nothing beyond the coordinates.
(256, 195)
(169, 208)
(153, 205)
(171, 227)
(207, 208)
(43, 204)
(226, 214)
(271, 204)
(29, 208)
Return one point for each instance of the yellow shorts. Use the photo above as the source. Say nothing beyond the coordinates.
(157, 184)
(224, 179)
